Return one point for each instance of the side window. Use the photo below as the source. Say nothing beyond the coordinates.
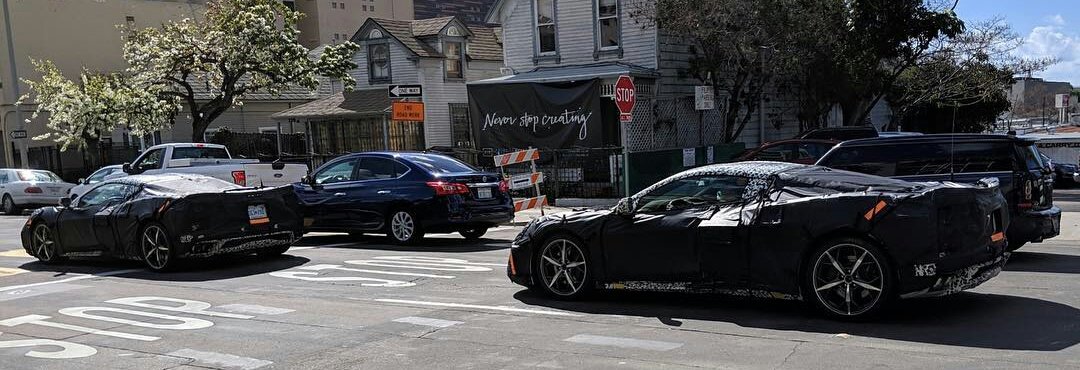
(4, 179)
(151, 160)
(337, 172)
(693, 192)
(372, 168)
(1030, 157)
(105, 194)
(873, 160)
(100, 176)
(812, 151)
(780, 153)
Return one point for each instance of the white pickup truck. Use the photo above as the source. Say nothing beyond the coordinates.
(212, 160)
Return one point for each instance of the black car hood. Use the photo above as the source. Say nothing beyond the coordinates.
(578, 221)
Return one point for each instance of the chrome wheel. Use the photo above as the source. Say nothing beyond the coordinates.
(848, 280)
(155, 247)
(563, 270)
(402, 226)
(43, 243)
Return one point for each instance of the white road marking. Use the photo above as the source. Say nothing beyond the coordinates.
(36, 291)
(186, 306)
(67, 349)
(182, 323)
(253, 309)
(600, 340)
(424, 321)
(15, 253)
(313, 276)
(437, 260)
(339, 267)
(220, 359)
(478, 307)
(293, 249)
(458, 267)
(40, 320)
(77, 277)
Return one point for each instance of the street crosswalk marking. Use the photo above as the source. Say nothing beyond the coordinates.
(425, 321)
(600, 340)
(224, 360)
(15, 253)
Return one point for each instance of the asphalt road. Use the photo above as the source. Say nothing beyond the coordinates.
(337, 303)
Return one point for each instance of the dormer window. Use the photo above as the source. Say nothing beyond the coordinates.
(545, 27)
(607, 24)
(454, 55)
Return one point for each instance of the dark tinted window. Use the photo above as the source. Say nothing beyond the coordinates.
(842, 134)
(150, 160)
(439, 164)
(105, 194)
(372, 168)
(200, 153)
(780, 153)
(694, 191)
(1031, 157)
(923, 159)
(337, 172)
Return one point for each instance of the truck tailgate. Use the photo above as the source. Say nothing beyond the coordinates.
(274, 174)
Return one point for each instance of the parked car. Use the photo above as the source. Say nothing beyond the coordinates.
(805, 151)
(161, 219)
(25, 189)
(215, 161)
(1027, 184)
(840, 133)
(404, 195)
(98, 176)
(1064, 173)
(846, 242)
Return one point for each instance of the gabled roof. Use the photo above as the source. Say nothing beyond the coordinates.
(343, 104)
(483, 43)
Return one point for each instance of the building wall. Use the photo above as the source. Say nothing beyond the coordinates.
(575, 35)
(471, 11)
(325, 18)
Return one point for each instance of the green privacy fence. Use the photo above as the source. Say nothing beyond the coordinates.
(646, 168)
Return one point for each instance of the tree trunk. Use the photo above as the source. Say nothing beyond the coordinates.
(198, 129)
(93, 152)
(854, 111)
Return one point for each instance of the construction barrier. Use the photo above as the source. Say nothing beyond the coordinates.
(530, 203)
(522, 156)
(524, 181)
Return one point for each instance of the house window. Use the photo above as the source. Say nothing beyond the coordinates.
(364, 7)
(341, 6)
(379, 62)
(545, 27)
(333, 4)
(453, 59)
(607, 24)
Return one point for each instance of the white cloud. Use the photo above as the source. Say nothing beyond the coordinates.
(1057, 41)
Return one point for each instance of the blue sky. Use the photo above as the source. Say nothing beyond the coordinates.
(1050, 28)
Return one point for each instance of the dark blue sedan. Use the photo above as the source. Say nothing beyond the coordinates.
(404, 195)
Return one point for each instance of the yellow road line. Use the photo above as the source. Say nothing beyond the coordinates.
(5, 271)
(18, 253)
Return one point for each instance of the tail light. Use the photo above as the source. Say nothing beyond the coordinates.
(504, 186)
(443, 188)
(33, 190)
(239, 178)
(1027, 195)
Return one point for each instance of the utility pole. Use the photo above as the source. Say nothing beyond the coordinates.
(15, 88)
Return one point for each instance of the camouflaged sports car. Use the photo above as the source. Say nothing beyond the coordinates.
(160, 219)
(847, 243)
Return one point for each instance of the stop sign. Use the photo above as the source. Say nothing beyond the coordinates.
(625, 98)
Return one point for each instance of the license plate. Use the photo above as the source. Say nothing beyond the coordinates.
(257, 214)
(483, 193)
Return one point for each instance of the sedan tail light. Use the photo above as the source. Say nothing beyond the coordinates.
(443, 188)
(33, 190)
(239, 178)
(504, 186)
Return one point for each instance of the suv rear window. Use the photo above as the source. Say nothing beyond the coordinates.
(923, 158)
(1032, 159)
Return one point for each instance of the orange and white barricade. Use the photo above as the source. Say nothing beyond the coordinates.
(526, 180)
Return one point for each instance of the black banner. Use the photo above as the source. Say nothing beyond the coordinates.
(547, 116)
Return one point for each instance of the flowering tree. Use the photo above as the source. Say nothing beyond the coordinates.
(204, 67)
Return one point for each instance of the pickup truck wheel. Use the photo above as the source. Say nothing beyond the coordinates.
(404, 228)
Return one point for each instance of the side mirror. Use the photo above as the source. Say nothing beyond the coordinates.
(83, 181)
(127, 168)
(625, 207)
(66, 202)
(309, 181)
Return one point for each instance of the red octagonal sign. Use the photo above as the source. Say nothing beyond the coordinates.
(625, 98)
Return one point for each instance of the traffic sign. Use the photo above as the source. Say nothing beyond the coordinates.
(407, 111)
(704, 98)
(405, 91)
(18, 134)
(625, 98)
(1061, 101)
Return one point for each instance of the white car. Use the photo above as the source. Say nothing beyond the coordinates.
(24, 189)
(98, 176)
(215, 161)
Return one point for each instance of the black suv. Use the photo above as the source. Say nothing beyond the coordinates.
(840, 133)
(1025, 181)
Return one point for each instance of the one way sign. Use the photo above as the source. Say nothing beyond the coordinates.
(405, 91)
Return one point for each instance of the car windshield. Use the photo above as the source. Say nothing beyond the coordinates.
(200, 153)
(439, 164)
(40, 176)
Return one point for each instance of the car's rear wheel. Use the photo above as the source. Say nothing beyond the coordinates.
(9, 207)
(563, 268)
(473, 234)
(404, 228)
(43, 244)
(157, 251)
(849, 278)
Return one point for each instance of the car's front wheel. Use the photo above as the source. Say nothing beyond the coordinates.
(404, 228)
(9, 207)
(157, 251)
(563, 268)
(849, 278)
(43, 244)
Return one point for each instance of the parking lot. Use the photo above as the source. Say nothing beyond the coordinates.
(336, 302)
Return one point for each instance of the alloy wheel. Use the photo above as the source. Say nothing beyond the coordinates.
(402, 226)
(43, 243)
(155, 247)
(848, 280)
(562, 267)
